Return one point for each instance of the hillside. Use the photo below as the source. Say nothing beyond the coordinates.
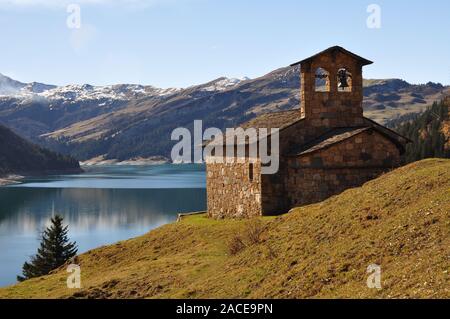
(127, 120)
(18, 156)
(399, 221)
(429, 131)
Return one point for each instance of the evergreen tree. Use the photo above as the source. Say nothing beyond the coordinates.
(425, 131)
(55, 249)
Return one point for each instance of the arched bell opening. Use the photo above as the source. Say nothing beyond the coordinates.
(322, 80)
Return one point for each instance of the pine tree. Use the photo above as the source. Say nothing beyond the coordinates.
(55, 249)
(425, 132)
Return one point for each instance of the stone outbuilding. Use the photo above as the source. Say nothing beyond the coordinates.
(325, 147)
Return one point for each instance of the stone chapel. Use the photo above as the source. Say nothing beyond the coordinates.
(325, 147)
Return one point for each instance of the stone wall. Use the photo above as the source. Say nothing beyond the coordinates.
(273, 187)
(230, 191)
(333, 108)
(301, 180)
(316, 176)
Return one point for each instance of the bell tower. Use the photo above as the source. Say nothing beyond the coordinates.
(331, 88)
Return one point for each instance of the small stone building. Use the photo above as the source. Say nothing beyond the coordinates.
(325, 147)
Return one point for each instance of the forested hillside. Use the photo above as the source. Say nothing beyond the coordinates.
(20, 156)
(429, 132)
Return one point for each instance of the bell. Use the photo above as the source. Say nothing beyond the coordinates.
(342, 79)
(343, 83)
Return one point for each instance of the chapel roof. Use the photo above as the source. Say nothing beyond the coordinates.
(334, 49)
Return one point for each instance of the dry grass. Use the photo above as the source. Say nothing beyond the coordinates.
(252, 235)
(236, 245)
(399, 221)
(254, 231)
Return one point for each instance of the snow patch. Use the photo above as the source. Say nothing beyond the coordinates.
(223, 84)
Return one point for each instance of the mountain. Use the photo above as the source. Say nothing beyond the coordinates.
(398, 221)
(18, 156)
(10, 87)
(126, 121)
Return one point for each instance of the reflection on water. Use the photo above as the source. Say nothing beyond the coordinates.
(96, 216)
(25, 209)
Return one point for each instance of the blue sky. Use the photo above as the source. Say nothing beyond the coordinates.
(177, 43)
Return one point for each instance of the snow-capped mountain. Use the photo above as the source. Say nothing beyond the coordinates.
(10, 87)
(130, 120)
(74, 93)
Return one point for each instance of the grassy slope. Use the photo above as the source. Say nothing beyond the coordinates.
(399, 221)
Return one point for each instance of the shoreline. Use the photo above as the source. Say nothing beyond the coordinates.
(138, 161)
(15, 178)
(10, 179)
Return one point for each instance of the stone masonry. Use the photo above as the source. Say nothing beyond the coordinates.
(237, 194)
(326, 146)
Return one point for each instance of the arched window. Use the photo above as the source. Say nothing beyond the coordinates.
(344, 80)
(322, 82)
(250, 172)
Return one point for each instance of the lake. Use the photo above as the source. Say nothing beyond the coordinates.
(103, 205)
